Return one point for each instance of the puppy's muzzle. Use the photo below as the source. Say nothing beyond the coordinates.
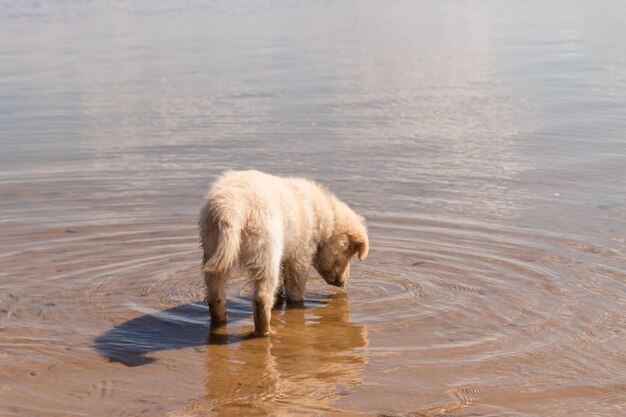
(338, 282)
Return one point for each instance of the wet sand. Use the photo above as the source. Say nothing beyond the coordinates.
(484, 145)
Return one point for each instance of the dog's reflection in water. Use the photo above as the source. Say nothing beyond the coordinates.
(314, 356)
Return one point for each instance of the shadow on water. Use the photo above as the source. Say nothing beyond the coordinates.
(322, 324)
(183, 326)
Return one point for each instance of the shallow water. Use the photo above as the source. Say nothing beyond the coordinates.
(483, 141)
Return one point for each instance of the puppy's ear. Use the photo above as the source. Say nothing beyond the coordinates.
(358, 238)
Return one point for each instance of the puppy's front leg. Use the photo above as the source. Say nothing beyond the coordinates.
(295, 273)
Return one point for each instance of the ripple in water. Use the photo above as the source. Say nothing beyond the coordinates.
(473, 117)
(537, 314)
(439, 307)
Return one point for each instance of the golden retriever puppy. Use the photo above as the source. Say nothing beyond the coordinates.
(273, 229)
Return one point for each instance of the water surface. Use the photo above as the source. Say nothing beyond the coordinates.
(483, 141)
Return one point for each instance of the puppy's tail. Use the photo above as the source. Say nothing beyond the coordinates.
(227, 239)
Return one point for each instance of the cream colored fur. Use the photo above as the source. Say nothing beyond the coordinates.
(273, 229)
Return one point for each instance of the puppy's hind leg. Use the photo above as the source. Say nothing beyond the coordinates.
(262, 304)
(266, 281)
(216, 296)
(261, 259)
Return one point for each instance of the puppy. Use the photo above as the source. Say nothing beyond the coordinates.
(273, 229)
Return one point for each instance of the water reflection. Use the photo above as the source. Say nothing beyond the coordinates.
(315, 357)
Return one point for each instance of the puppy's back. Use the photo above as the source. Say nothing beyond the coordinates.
(250, 188)
(237, 200)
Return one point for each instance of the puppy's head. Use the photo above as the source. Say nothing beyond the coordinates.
(333, 256)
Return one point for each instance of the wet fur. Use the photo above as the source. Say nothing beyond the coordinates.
(274, 229)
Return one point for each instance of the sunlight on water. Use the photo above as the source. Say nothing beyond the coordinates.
(483, 141)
